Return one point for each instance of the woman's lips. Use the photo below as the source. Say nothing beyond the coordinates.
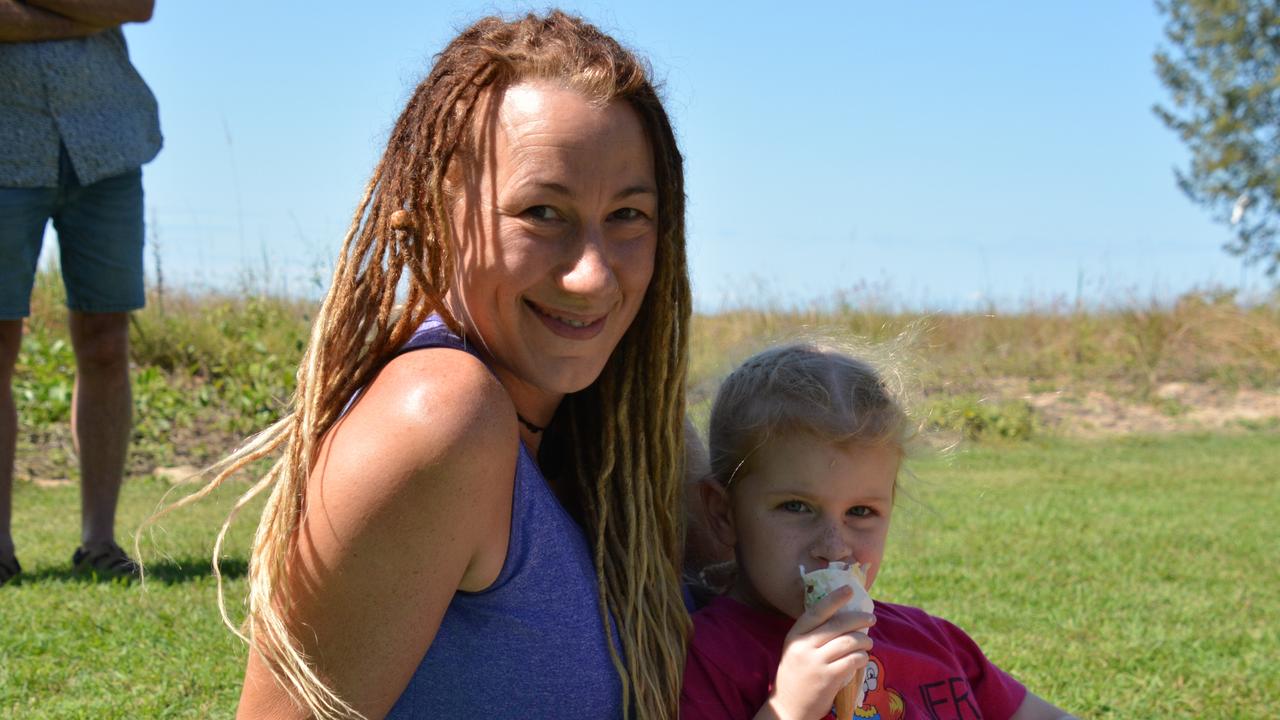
(569, 325)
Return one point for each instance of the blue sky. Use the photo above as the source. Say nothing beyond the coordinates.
(922, 155)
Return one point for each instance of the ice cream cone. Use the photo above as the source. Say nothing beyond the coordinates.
(850, 697)
(817, 585)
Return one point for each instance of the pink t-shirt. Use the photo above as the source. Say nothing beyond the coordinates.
(921, 667)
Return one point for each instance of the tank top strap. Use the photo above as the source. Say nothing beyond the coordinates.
(529, 490)
(434, 333)
(532, 644)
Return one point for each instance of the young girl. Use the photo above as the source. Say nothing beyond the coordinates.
(805, 446)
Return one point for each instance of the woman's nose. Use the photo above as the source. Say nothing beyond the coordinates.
(588, 272)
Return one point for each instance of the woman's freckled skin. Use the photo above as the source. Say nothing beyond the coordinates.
(555, 272)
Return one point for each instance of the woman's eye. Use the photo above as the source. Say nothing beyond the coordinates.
(626, 214)
(542, 212)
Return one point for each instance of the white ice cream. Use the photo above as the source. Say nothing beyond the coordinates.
(820, 583)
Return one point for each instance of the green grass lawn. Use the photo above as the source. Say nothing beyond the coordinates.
(1133, 578)
(1122, 579)
(76, 647)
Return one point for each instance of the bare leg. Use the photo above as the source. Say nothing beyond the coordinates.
(10, 340)
(101, 418)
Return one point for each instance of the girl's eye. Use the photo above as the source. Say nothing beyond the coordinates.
(861, 511)
(544, 213)
(794, 506)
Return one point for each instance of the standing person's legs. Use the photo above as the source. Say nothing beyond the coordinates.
(101, 418)
(100, 234)
(24, 212)
(10, 338)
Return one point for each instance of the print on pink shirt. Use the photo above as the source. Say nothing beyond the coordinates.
(882, 702)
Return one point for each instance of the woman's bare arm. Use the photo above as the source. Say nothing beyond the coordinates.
(410, 501)
(21, 22)
(102, 13)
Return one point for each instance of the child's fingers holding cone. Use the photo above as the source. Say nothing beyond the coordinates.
(851, 648)
(818, 613)
(823, 651)
(820, 586)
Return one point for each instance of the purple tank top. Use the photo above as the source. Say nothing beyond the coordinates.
(531, 645)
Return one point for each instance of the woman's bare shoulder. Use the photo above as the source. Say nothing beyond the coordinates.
(438, 405)
(408, 502)
(433, 434)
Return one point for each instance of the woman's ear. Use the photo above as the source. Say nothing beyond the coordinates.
(715, 500)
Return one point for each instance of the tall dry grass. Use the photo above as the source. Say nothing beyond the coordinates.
(1203, 337)
(240, 349)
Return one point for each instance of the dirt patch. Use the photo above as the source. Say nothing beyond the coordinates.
(48, 457)
(1172, 407)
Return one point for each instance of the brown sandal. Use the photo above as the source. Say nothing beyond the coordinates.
(108, 559)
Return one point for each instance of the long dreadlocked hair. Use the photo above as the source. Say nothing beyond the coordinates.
(618, 444)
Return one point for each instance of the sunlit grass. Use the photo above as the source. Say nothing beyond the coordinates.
(78, 647)
(1130, 578)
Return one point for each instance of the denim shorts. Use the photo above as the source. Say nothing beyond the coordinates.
(100, 236)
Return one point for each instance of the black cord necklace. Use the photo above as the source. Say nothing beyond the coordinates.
(532, 428)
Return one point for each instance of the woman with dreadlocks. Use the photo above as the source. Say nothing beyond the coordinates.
(476, 508)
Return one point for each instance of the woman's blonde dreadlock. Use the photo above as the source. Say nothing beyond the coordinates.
(618, 443)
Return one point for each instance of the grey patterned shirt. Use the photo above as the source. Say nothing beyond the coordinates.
(83, 93)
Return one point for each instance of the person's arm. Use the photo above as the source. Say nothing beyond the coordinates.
(21, 22)
(101, 13)
(409, 502)
(1034, 707)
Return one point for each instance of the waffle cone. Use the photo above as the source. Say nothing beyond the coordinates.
(848, 699)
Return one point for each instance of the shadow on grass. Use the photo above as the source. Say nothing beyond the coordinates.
(165, 572)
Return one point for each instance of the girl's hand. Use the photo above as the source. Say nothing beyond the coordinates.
(823, 651)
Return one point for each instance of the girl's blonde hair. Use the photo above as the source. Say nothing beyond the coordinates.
(618, 444)
(802, 387)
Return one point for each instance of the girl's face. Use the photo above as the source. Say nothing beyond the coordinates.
(806, 502)
(556, 234)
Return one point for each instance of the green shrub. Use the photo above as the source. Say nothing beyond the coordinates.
(977, 419)
(43, 378)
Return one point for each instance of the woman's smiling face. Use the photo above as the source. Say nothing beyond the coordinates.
(556, 235)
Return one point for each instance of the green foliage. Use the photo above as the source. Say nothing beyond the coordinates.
(1223, 72)
(241, 355)
(1172, 407)
(977, 419)
(206, 371)
(44, 378)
